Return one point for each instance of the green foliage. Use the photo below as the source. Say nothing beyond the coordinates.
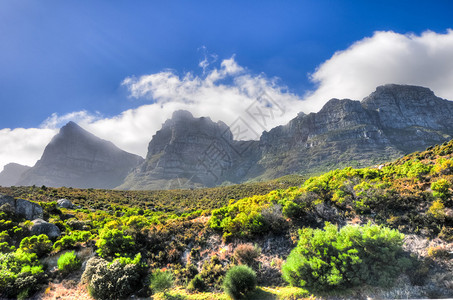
(114, 280)
(197, 284)
(161, 281)
(20, 274)
(441, 189)
(114, 243)
(213, 272)
(331, 259)
(39, 244)
(239, 282)
(70, 241)
(437, 209)
(68, 262)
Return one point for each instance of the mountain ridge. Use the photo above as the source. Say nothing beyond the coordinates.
(189, 152)
(77, 158)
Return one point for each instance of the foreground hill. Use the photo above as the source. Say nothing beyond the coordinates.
(129, 236)
(77, 158)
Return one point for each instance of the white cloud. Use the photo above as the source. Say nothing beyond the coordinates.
(386, 57)
(230, 91)
(24, 146)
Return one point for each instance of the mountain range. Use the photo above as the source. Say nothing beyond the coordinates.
(190, 152)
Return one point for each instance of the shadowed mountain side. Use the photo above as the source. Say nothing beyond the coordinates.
(191, 152)
(394, 120)
(11, 174)
(77, 158)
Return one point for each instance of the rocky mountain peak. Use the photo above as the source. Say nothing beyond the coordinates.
(78, 158)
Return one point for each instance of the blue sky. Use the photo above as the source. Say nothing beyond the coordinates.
(89, 60)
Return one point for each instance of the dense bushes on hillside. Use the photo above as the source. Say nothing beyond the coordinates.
(352, 256)
(21, 274)
(396, 193)
(179, 231)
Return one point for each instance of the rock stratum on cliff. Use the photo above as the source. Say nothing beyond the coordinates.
(77, 158)
(392, 121)
(190, 152)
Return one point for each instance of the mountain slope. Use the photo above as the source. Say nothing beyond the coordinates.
(77, 158)
(189, 152)
(11, 174)
(392, 121)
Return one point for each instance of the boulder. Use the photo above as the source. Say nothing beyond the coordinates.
(28, 209)
(42, 227)
(65, 203)
(7, 200)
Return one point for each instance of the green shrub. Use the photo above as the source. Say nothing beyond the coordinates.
(70, 241)
(117, 279)
(68, 262)
(114, 243)
(239, 281)
(331, 259)
(39, 244)
(213, 272)
(197, 284)
(21, 274)
(441, 189)
(161, 281)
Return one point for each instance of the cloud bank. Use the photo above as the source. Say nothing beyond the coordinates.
(386, 57)
(231, 93)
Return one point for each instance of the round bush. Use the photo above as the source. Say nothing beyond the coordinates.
(114, 243)
(39, 244)
(68, 262)
(239, 281)
(331, 259)
(116, 280)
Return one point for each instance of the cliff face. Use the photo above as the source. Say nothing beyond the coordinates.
(412, 117)
(77, 158)
(392, 121)
(188, 152)
(193, 152)
(11, 174)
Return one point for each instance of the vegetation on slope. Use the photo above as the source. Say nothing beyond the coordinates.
(190, 239)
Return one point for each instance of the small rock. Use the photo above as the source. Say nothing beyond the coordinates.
(42, 227)
(65, 203)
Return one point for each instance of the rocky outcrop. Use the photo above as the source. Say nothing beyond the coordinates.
(77, 158)
(11, 174)
(392, 121)
(27, 209)
(188, 152)
(42, 227)
(412, 117)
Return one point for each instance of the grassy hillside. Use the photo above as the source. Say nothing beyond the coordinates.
(180, 244)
